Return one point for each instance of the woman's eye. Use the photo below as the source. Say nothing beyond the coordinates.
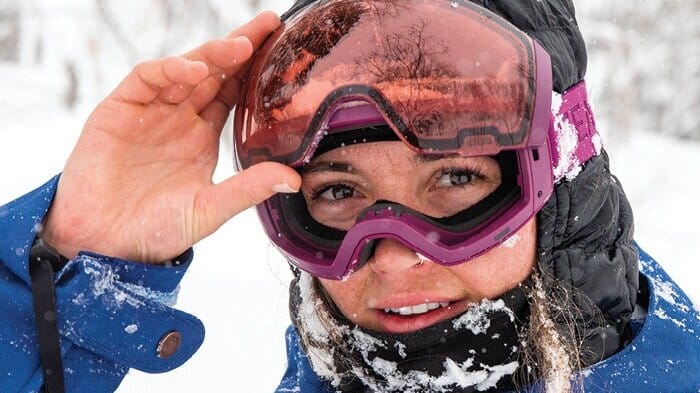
(455, 178)
(337, 192)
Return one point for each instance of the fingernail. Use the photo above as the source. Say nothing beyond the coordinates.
(267, 12)
(242, 39)
(284, 188)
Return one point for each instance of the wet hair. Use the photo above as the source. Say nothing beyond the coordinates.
(552, 344)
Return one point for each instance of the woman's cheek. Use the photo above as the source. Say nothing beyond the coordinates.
(503, 267)
(347, 295)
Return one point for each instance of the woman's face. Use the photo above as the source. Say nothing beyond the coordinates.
(394, 292)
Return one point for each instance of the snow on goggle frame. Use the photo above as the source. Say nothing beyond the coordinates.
(446, 76)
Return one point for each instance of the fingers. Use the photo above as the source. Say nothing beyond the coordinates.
(148, 79)
(218, 203)
(250, 35)
(224, 65)
(217, 111)
(176, 79)
(255, 31)
(211, 88)
(179, 70)
(259, 28)
(223, 55)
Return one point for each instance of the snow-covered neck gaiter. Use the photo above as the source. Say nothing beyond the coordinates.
(473, 352)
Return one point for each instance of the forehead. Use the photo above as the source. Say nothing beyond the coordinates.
(374, 156)
(385, 152)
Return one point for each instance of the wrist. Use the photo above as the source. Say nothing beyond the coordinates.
(69, 243)
(52, 236)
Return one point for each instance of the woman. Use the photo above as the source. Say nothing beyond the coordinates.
(421, 264)
(434, 250)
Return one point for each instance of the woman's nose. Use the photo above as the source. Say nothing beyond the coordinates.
(390, 256)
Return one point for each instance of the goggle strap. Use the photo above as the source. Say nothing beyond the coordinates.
(574, 116)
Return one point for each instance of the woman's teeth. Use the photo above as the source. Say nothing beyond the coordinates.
(417, 309)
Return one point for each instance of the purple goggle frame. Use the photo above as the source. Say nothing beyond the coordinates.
(437, 243)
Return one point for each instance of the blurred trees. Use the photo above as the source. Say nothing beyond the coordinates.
(9, 31)
(90, 44)
(644, 64)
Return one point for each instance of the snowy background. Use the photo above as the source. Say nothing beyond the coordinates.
(58, 58)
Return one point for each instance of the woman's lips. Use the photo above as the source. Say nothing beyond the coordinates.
(393, 322)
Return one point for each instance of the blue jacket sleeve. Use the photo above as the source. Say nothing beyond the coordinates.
(300, 376)
(112, 314)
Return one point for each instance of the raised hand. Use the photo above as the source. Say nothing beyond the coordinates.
(138, 184)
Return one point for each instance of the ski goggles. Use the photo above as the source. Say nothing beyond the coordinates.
(443, 77)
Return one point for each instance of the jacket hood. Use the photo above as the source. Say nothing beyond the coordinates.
(585, 241)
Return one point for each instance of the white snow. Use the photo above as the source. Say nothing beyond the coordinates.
(665, 291)
(557, 379)
(481, 376)
(131, 329)
(477, 318)
(309, 308)
(662, 315)
(598, 144)
(512, 241)
(422, 258)
(401, 348)
(567, 142)
(482, 379)
(104, 285)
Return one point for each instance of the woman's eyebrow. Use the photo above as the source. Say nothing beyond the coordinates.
(328, 166)
(420, 158)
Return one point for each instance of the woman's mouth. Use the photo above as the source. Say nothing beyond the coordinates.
(417, 309)
(409, 318)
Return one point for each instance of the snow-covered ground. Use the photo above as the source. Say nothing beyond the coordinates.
(238, 284)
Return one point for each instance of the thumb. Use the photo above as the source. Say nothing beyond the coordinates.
(218, 203)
